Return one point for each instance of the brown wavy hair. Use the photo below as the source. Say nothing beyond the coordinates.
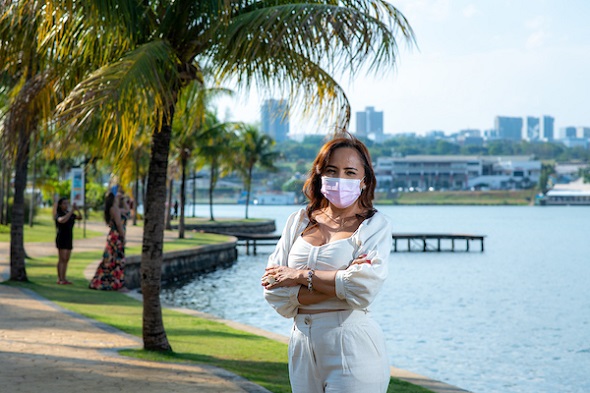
(108, 203)
(313, 184)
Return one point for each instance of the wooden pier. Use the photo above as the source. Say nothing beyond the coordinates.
(256, 239)
(427, 239)
(427, 242)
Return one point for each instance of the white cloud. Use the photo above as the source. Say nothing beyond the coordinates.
(536, 39)
(470, 11)
(535, 23)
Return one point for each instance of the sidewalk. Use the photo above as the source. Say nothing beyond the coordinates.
(45, 348)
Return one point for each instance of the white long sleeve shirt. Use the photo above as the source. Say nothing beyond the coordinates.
(356, 285)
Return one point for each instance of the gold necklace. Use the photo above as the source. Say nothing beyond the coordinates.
(341, 222)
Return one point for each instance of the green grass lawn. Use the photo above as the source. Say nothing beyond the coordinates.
(193, 339)
(518, 197)
(43, 231)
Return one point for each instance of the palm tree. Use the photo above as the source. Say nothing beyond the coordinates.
(217, 151)
(189, 130)
(255, 148)
(290, 45)
(31, 89)
(41, 62)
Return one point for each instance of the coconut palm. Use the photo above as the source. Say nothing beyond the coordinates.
(190, 129)
(255, 148)
(41, 61)
(217, 151)
(30, 92)
(290, 45)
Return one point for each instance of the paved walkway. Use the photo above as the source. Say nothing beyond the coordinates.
(45, 348)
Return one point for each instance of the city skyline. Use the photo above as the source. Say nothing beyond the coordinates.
(474, 61)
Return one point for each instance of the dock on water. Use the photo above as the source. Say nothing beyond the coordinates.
(426, 241)
(256, 239)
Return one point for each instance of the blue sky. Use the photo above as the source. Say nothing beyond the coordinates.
(475, 60)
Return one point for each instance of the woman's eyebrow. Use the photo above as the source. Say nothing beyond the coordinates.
(345, 168)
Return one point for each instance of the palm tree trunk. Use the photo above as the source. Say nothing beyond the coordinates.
(2, 183)
(18, 271)
(7, 196)
(248, 189)
(194, 193)
(136, 189)
(154, 335)
(211, 182)
(168, 214)
(32, 201)
(182, 196)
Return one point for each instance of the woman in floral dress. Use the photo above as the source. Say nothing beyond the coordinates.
(110, 275)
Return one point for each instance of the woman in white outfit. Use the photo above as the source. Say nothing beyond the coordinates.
(327, 268)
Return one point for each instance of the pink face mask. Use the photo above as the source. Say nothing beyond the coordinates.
(341, 192)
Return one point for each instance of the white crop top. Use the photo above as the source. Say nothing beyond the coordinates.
(356, 285)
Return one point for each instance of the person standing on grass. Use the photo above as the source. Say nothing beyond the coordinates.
(327, 268)
(110, 274)
(64, 223)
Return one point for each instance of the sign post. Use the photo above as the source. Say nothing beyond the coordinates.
(77, 196)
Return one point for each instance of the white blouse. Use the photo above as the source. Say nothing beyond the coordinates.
(356, 285)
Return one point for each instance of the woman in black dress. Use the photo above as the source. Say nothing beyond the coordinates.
(64, 222)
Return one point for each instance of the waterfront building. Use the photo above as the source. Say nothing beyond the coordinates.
(573, 193)
(453, 172)
(370, 122)
(275, 119)
(508, 127)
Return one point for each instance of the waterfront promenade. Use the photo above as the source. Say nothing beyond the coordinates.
(44, 347)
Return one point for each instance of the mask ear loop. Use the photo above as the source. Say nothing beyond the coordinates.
(364, 185)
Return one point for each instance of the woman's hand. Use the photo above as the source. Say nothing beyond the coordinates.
(282, 276)
(363, 258)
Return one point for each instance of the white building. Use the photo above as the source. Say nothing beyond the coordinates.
(422, 172)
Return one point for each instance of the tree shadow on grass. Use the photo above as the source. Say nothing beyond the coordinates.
(274, 376)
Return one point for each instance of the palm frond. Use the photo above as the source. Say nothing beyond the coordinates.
(126, 95)
(301, 45)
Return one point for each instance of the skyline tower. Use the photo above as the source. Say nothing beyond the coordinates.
(275, 119)
(508, 127)
(368, 122)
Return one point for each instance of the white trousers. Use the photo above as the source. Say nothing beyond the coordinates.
(337, 352)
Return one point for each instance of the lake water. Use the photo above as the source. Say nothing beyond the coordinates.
(513, 319)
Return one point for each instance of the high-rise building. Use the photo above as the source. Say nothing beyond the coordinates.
(583, 132)
(547, 128)
(275, 119)
(508, 127)
(567, 132)
(530, 129)
(369, 122)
